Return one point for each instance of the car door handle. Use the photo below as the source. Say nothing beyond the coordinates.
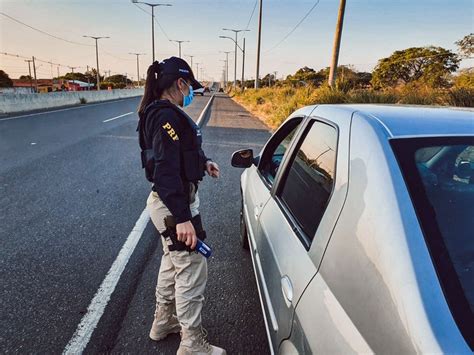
(257, 210)
(287, 290)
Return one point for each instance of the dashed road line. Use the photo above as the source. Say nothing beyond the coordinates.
(114, 118)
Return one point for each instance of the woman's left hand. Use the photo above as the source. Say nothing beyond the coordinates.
(212, 169)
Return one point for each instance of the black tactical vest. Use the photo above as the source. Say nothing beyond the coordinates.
(193, 159)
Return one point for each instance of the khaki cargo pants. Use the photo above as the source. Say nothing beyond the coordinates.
(183, 276)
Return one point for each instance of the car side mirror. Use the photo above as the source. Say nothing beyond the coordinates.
(464, 170)
(242, 158)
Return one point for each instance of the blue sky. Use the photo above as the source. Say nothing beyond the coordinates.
(372, 30)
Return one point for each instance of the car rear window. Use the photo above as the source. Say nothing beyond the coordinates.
(439, 173)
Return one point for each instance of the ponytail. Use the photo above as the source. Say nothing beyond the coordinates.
(156, 83)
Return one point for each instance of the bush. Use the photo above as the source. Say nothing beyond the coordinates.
(82, 101)
(465, 80)
(462, 97)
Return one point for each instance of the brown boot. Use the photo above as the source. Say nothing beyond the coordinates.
(194, 342)
(165, 322)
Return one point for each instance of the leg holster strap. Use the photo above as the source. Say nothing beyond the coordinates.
(170, 233)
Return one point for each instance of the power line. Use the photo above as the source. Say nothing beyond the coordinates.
(251, 15)
(37, 59)
(294, 28)
(43, 32)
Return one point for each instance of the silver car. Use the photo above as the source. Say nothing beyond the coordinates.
(360, 223)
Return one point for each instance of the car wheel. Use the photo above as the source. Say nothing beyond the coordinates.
(244, 239)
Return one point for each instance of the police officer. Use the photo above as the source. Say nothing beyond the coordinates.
(175, 163)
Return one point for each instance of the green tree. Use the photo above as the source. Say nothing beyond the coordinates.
(75, 76)
(466, 45)
(5, 81)
(118, 79)
(306, 75)
(426, 65)
(25, 77)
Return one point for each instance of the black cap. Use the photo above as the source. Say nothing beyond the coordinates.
(179, 67)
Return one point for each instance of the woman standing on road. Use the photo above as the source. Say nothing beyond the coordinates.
(175, 163)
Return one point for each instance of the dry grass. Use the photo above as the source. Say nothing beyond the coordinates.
(273, 105)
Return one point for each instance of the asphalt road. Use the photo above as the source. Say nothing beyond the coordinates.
(71, 190)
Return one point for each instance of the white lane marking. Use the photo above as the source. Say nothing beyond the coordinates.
(200, 120)
(66, 109)
(96, 308)
(114, 118)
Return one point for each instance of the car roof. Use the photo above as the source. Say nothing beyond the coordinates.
(404, 120)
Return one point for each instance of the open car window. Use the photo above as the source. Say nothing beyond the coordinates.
(276, 149)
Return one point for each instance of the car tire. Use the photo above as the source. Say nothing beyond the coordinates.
(244, 238)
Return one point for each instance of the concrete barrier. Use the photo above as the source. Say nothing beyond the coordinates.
(11, 103)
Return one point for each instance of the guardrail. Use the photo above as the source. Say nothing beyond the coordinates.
(12, 103)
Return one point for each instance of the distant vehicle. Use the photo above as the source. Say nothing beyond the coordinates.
(360, 220)
(199, 91)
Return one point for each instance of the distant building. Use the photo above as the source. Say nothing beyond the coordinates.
(44, 85)
(25, 86)
(77, 85)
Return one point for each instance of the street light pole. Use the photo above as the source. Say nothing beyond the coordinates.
(138, 66)
(226, 65)
(243, 67)
(197, 71)
(190, 56)
(243, 57)
(235, 58)
(259, 38)
(152, 5)
(179, 44)
(97, 56)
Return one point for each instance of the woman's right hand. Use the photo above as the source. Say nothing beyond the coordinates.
(186, 233)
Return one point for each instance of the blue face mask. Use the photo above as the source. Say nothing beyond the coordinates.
(187, 99)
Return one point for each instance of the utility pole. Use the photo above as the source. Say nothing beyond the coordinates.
(243, 67)
(152, 5)
(138, 66)
(29, 70)
(337, 44)
(97, 57)
(259, 38)
(34, 72)
(73, 82)
(179, 44)
(88, 80)
(235, 57)
(197, 71)
(52, 76)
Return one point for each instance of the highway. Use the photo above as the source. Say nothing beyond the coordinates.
(71, 192)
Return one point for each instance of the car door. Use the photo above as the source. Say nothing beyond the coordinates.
(260, 178)
(289, 221)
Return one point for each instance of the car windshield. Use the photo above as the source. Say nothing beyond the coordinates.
(440, 176)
